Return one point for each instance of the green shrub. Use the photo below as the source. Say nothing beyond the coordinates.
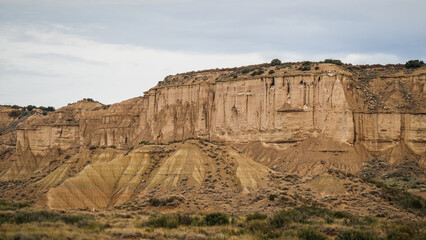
(47, 109)
(197, 221)
(272, 197)
(355, 235)
(185, 219)
(310, 234)
(29, 236)
(164, 221)
(170, 201)
(279, 219)
(333, 61)
(258, 72)
(155, 202)
(93, 147)
(4, 218)
(275, 62)
(261, 229)
(233, 75)
(245, 70)
(271, 72)
(217, 218)
(399, 235)
(296, 215)
(306, 66)
(405, 231)
(258, 225)
(37, 216)
(21, 217)
(74, 219)
(340, 214)
(414, 64)
(368, 220)
(256, 216)
(91, 226)
(414, 203)
(31, 107)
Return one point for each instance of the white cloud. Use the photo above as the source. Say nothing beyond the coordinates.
(373, 58)
(354, 58)
(51, 66)
(75, 2)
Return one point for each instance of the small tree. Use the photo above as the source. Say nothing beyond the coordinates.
(30, 107)
(333, 61)
(216, 218)
(275, 62)
(414, 64)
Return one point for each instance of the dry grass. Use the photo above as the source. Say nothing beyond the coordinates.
(297, 223)
(46, 231)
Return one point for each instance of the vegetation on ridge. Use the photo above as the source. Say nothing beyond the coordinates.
(277, 67)
(333, 61)
(414, 64)
(275, 62)
(21, 221)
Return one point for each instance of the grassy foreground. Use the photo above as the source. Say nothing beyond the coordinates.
(22, 221)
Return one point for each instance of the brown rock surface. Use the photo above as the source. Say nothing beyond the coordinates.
(88, 155)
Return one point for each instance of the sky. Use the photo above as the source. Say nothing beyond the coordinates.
(55, 52)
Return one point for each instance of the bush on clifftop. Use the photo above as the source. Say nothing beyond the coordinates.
(414, 64)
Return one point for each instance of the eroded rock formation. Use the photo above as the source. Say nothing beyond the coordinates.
(285, 121)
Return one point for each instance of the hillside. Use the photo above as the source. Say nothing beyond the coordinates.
(227, 139)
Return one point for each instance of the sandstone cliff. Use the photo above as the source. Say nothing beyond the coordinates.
(288, 120)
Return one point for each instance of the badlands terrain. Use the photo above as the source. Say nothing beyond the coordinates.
(342, 145)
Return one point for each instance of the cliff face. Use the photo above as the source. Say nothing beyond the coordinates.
(350, 116)
(272, 109)
(292, 121)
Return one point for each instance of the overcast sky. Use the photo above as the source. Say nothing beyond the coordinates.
(54, 52)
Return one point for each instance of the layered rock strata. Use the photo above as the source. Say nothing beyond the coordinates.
(288, 120)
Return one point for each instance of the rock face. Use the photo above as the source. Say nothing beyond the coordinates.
(88, 155)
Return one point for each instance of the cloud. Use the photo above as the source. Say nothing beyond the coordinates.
(96, 1)
(372, 58)
(307, 27)
(52, 66)
(354, 58)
